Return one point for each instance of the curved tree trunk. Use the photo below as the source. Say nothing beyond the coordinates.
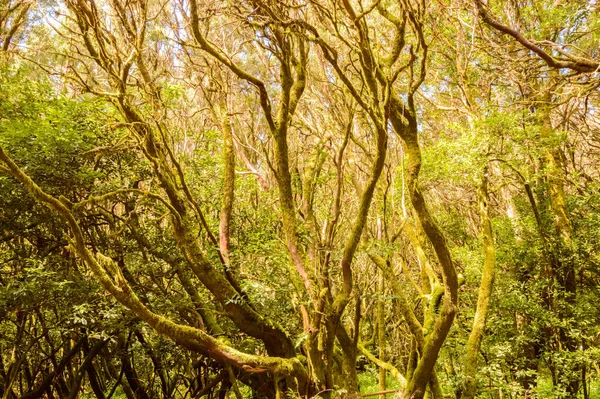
(485, 292)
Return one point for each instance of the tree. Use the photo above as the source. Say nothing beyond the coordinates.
(267, 199)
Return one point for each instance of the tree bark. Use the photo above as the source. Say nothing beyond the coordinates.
(485, 292)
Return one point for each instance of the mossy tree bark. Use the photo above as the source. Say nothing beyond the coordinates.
(485, 291)
(404, 121)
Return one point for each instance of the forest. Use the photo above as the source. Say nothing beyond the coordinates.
(299, 199)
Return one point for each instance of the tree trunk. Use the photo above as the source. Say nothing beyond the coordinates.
(485, 292)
